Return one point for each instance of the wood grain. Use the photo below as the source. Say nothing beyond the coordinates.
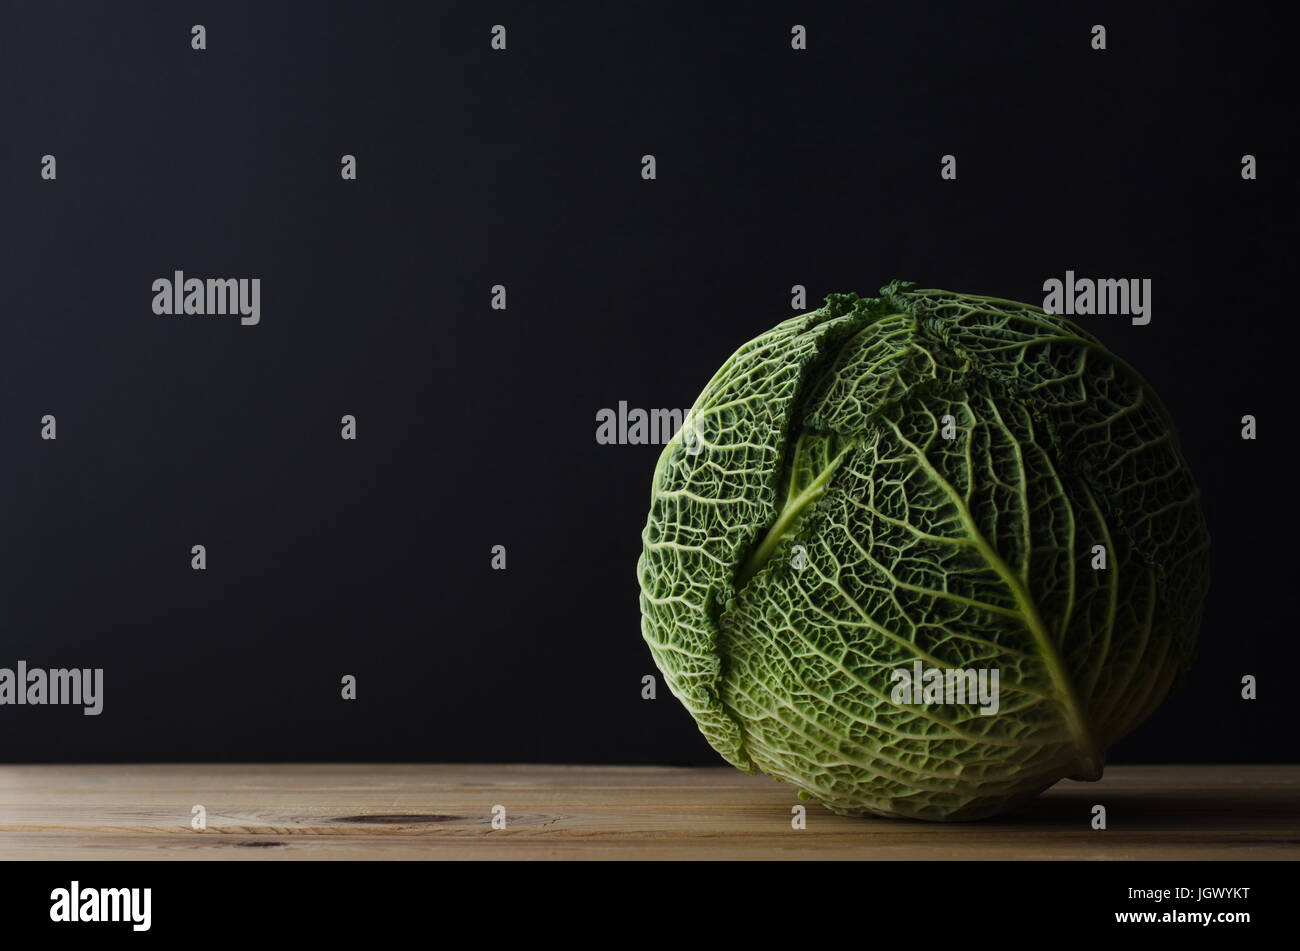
(404, 811)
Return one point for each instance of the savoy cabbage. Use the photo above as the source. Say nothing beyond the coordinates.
(965, 482)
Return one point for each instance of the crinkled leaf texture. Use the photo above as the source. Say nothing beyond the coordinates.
(973, 552)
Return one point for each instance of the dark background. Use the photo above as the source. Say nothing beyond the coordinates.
(477, 426)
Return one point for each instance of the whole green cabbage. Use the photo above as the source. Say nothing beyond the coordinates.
(923, 480)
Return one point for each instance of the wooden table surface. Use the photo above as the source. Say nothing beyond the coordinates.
(364, 811)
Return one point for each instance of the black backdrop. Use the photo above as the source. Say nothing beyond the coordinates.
(476, 427)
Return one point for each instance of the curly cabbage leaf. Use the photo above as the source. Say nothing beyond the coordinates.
(813, 529)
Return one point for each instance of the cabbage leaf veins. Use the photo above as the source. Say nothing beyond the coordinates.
(812, 529)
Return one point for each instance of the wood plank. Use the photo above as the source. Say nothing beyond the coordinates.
(415, 811)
